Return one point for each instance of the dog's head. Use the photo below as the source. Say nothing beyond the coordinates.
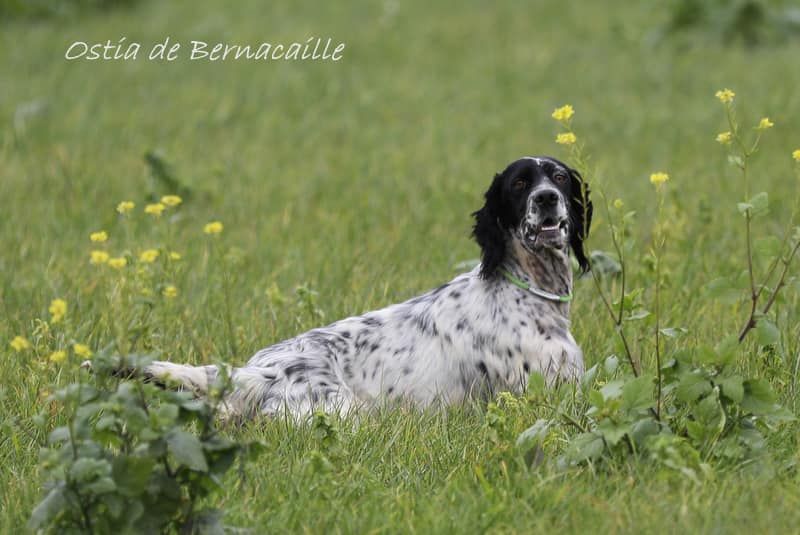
(541, 202)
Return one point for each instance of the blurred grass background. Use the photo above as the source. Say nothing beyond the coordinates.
(358, 177)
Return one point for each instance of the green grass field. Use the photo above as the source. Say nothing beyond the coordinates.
(356, 179)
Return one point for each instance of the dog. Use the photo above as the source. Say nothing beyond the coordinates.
(483, 332)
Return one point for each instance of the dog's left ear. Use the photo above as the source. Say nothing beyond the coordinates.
(488, 230)
(580, 215)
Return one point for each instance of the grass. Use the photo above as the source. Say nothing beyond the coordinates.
(357, 179)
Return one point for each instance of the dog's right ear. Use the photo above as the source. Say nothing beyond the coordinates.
(488, 230)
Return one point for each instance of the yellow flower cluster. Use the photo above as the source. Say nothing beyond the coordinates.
(725, 95)
(19, 343)
(725, 138)
(658, 178)
(764, 124)
(169, 292)
(171, 200)
(618, 203)
(215, 227)
(98, 237)
(57, 357)
(125, 206)
(566, 138)
(796, 155)
(58, 309)
(118, 262)
(98, 257)
(82, 350)
(148, 256)
(563, 113)
(173, 255)
(154, 209)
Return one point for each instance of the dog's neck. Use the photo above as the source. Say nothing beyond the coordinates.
(546, 269)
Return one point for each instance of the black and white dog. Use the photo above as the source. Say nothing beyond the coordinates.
(482, 332)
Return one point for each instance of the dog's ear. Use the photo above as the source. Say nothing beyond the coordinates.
(488, 230)
(580, 214)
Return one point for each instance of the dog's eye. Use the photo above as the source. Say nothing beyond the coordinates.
(519, 184)
(560, 178)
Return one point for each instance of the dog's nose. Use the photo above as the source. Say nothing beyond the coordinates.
(545, 198)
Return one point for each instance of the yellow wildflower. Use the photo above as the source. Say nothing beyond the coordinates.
(796, 155)
(125, 206)
(82, 350)
(658, 178)
(215, 227)
(169, 292)
(618, 203)
(171, 200)
(58, 309)
(98, 257)
(57, 357)
(563, 113)
(173, 255)
(148, 256)
(118, 262)
(154, 209)
(725, 95)
(725, 138)
(567, 138)
(19, 343)
(764, 124)
(99, 236)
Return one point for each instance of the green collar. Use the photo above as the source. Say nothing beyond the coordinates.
(535, 291)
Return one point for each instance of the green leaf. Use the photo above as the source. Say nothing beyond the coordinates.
(589, 376)
(759, 399)
(642, 429)
(766, 332)
(732, 388)
(610, 365)
(637, 394)
(612, 432)
(760, 203)
(48, 508)
(613, 389)
(529, 442)
(673, 332)
(585, 446)
(692, 386)
(735, 160)
(102, 485)
(132, 474)
(187, 450)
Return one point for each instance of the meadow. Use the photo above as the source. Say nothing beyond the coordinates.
(346, 186)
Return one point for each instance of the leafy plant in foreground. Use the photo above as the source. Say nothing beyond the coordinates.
(694, 406)
(133, 457)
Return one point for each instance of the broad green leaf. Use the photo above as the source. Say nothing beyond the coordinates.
(612, 390)
(760, 203)
(187, 450)
(673, 332)
(637, 394)
(132, 474)
(587, 380)
(529, 442)
(759, 398)
(86, 469)
(585, 446)
(636, 315)
(612, 432)
(596, 399)
(642, 429)
(766, 332)
(692, 386)
(732, 388)
(102, 485)
(48, 508)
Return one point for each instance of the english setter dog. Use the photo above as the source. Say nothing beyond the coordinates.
(483, 332)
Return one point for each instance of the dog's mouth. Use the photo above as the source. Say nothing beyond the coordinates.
(550, 232)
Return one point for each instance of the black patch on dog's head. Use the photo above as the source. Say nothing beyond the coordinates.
(506, 202)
